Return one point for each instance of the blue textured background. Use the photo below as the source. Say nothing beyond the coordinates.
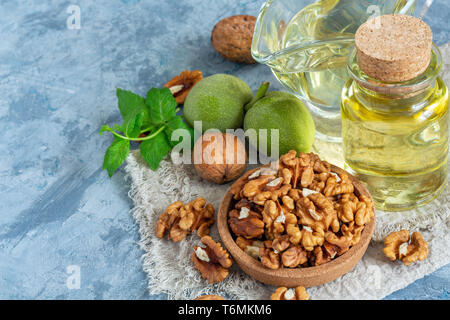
(57, 86)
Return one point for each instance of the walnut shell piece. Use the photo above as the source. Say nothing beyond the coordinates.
(212, 261)
(232, 38)
(181, 85)
(283, 293)
(219, 157)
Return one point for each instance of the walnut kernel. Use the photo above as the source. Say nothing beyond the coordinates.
(399, 246)
(212, 261)
(180, 220)
(283, 293)
(180, 85)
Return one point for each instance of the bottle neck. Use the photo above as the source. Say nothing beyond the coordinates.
(393, 101)
(399, 95)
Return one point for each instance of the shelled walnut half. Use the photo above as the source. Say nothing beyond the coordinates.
(179, 220)
(246, 223)
(399, 246)
(212, 260)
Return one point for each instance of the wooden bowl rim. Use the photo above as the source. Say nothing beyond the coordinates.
(309, 272)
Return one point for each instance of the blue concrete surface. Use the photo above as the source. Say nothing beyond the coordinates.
(58, 209)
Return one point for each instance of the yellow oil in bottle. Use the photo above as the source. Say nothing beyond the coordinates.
(398, 144)
(318, 40)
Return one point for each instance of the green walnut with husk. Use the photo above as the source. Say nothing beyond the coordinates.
(218, 101)
(282, 111)
(226, 102)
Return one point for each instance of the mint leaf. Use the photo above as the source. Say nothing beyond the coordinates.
(132, 124)
(119, 128)
(131, 127)
(154, 150)
(115, 155)
(162, 105)
(175, 124)
(130, 104)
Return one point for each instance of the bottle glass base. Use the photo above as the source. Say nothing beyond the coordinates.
(402, 193)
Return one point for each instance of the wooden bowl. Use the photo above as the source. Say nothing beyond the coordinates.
(307, 277)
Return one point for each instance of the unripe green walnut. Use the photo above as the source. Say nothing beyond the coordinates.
(218, 101)
(285, 112)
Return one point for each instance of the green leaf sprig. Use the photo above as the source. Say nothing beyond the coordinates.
(149, 120)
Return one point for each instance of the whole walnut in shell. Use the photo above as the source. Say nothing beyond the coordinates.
(232, 38)
(219, 157)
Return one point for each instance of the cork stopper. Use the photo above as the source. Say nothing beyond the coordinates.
(394, 48)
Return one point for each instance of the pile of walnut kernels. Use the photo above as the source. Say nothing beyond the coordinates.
(299, 215)
(295, 213)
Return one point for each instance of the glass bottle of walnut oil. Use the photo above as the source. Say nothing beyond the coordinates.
(306, 44)
(395, 113)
